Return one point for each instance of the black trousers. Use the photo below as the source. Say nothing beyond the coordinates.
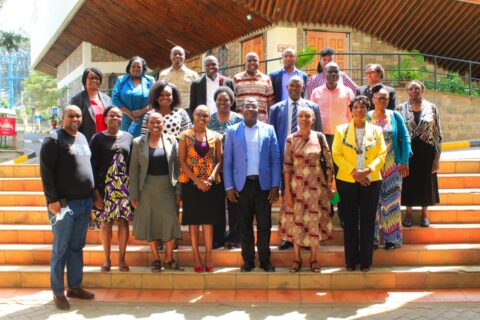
(358, 204)
(253, 202)
(220, 236)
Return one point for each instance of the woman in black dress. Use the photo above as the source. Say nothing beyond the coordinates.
(420, 188)
(110, 156)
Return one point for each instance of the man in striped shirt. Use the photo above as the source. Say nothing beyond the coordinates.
(253, 83)
(327, 55)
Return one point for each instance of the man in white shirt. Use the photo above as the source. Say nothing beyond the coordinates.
(251, 173)
(203, 88)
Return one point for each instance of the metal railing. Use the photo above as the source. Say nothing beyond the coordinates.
(400, 68)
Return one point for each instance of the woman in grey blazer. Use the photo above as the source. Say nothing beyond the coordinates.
(154, 191)
(92, 102)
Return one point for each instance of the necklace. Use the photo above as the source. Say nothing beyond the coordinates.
(359, 143)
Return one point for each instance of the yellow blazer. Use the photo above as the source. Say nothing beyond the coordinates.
(345, 156)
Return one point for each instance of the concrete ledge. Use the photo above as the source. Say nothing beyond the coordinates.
(31, 154)
(465, 144)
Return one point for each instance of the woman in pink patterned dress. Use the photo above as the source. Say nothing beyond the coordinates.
(305, 215)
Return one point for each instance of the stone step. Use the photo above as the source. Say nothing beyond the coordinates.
(446, 181)
(327, 255)
(466, 196)
(330, 278)
(438, 214)
(446, 166)
(436, 233)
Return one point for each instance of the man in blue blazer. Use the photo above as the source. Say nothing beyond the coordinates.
(283, 118)
(280, 77)
(251, 174)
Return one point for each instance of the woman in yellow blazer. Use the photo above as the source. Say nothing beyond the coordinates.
(359, 151)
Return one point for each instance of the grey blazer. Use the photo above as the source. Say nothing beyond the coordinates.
(139, 164)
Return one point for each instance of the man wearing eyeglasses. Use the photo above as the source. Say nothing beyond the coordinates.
(374, 74)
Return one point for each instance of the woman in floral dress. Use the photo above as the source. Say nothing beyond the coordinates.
(305, 216)
(388, 223)
(110, 156)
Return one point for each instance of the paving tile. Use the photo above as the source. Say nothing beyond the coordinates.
(350, 280)
(191, 296)
(220, 281)
(322, 281)
(155, 295)
(252, 280)
(279, 280)
(10, 280)
(124, 295)
(442, 280)
(317, 296)
(284, 295)
(251, 296)
(162, 280)
(188, 281)
(448, 295)
(350, 296)
(35, 280)
(219, 296)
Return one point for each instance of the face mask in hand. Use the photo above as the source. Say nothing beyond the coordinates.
(59, 216)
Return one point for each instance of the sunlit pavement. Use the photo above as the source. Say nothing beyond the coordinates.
(247, 304)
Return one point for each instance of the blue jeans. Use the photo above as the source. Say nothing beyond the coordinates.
(69, 236)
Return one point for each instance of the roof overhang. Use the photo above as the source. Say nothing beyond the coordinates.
(151, 27)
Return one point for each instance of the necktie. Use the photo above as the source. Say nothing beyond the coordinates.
(294, 118)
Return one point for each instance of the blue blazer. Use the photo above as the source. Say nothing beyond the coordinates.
(400, 137)
(276, 78)
(235, 157)
(278, 118)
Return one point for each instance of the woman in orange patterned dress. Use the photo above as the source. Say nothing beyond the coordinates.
(305, 216)
(203, 195)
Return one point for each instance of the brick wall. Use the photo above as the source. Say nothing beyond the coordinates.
(74, 60)
(101, 55)
(459, 115)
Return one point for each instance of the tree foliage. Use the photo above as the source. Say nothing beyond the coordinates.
(41, 91)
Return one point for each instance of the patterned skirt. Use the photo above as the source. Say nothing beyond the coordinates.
(115, 201)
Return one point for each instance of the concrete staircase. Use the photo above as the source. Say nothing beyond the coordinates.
(446, 255)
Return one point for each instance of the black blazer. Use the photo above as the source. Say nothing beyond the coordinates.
(198, 91)
(366, 91)
(89, 124)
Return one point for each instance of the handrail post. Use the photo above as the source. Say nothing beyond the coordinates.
(469, 78)
(399, 61)
(361, 68)
(435, 73)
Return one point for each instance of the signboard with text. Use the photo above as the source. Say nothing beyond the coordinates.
(7, 126)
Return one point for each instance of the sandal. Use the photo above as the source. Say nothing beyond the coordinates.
(296, 266)
(156, 266)
(105, 268)
(173, 265)
(123, 267)
(314, 266)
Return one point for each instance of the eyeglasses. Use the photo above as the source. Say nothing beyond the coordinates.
(250, 106)
(93, 78)
(381, 98)
(202, 115)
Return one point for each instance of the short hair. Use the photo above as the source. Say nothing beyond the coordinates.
(177, 48)
(420, 83)
(94, 70)
(305, 108)
(202, 106)
(152, 113)
(289, 50)
(332, 64)
(250, 98)
(362, 99)
(296, 79)
(107, 110)
(224, 89)
(210, 58)
(323, 53)
(377, 67)
(157, 88)
(142, 61)
(376, 88)
(251, 54)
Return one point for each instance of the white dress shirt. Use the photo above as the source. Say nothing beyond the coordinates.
(253, 152)
(212, 85)
(290, 112)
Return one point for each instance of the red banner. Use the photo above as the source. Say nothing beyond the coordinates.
(7, 126)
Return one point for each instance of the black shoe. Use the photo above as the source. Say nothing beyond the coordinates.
(407, 222)
(424, 223)
(61, 302)
(80, 294)
(268, 267)
(160, 245)
(285, 245)
(216, 246)
(231, 246)
(375, 246)
(389, 246)
(247, 267)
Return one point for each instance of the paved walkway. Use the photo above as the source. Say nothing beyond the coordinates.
(247, 304)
